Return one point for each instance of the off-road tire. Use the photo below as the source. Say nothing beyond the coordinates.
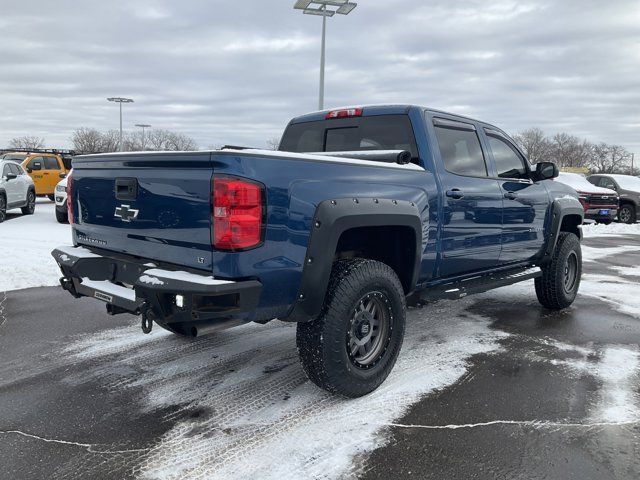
(62, 217)
(627, 213)
(558, 286)
(323, 344)
(30, 207)
(3, 208)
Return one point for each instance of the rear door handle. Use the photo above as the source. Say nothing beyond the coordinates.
(511, 195)
(455, 193)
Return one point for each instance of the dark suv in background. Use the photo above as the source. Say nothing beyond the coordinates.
(628, 188)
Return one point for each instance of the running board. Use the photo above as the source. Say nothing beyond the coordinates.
(480, 284)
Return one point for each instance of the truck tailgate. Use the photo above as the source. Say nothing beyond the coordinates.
(152, 205)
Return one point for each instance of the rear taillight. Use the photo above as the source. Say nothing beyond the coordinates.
(238, 211)
(70, 198)
(344, 113)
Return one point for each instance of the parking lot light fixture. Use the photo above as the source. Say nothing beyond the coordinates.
(143, 126)
(120, 101)
(324, 8)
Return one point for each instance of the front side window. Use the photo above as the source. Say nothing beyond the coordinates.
(461, 152)
(509, 163)
(35, 163)
(15, 168)
(607, 183)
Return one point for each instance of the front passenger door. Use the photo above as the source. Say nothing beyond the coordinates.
(525, 201)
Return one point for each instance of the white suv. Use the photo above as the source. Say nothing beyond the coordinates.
(16, 189)
(61, 201)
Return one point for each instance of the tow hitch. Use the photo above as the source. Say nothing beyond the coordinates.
(147, 321)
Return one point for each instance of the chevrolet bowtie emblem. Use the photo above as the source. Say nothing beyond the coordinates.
(126, 213)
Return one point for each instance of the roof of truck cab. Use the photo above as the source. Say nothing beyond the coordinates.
(377, 109)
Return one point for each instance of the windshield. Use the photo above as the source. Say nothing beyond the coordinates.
(628, 182)
(16, 157)
(383, 132)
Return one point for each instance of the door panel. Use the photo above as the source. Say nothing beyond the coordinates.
(525, 207)
(471, 217)
(472, 224)
(10, 186)
(525, 202)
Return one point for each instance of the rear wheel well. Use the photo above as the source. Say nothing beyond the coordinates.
(571, 223)
(394, 246)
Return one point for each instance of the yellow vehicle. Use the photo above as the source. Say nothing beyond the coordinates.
(46, 168)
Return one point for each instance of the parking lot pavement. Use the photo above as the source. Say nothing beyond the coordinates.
(491, 386)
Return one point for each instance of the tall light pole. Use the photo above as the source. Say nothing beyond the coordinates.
(324, 8)
(143, 126)
(120, 101)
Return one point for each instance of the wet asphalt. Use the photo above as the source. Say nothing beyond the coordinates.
(516, 413)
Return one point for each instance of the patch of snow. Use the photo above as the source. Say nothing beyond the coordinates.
(78, 252)
(619, 371)
(186, 277)
(150, 280)
(613, 229)
(628, 271)
(27, 242)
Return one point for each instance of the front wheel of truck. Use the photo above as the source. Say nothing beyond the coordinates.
(351, 348)
(558, 286)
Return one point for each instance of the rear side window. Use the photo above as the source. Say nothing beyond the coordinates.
(383, 132)
(461, 152)
(51, 163)
(509, 163)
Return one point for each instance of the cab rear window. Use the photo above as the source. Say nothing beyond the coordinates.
(384, 132)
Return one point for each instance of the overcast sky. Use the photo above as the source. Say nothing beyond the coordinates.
(236, 71)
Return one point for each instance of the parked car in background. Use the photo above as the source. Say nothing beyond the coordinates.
(45, 168)
(16, 189)
(600, 204)
(61, 201)
(628, 189)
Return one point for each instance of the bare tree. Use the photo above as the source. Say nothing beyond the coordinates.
(273, 143)
(28, 142)
(535, 144)
(87, 140)
(110, 141)
(161, 139)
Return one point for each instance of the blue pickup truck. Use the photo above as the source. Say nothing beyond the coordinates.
(360, 212)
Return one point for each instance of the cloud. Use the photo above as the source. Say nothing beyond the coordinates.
(235, 72)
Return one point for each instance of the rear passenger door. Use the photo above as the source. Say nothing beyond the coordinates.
(471, 212)
(525, 201)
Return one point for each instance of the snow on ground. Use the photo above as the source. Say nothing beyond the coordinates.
(254, 399)
(25, 245)
(601, 230)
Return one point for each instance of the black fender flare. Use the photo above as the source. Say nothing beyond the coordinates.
(332, 218)
(560, 209)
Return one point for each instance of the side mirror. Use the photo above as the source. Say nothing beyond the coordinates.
(11, 176)
(546, 170)
(29, 170)
(62, 175)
